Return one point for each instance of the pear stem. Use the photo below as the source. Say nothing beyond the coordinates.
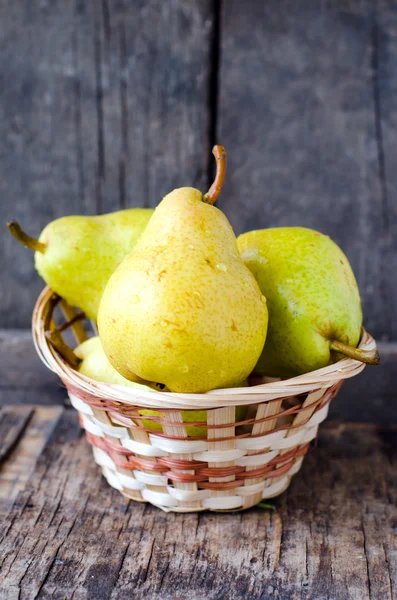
(55, 339)
(220, 156)
(370, 357)
(24, 238)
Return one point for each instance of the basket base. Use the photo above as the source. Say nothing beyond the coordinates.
(222, 472)
(165, 501)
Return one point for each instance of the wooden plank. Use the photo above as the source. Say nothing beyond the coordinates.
(332, 534)
(163, 50)
(23, 377)
(371, 396)
(104, 105)
(40, 162)
(385, 82)
(13, 422)
(49, 396)
(334, 550)
(23, 432)
(296, 114)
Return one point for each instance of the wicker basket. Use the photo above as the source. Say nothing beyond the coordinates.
(234, 466)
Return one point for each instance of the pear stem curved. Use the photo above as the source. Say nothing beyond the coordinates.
(24, 238)
(370, 357)
(213, 193)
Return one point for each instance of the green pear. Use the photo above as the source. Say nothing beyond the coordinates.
(182, 308)
(313, 300)
(76, 255)
(94, 364)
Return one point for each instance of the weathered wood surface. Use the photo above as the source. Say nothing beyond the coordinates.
(24, 430)
(369, 397)
(333, 534)
(385, 41)
(103, 105)
(23, 377)
(302, 90)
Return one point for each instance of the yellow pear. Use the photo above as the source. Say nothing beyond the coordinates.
(182, 308)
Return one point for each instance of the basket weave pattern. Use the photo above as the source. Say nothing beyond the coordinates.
(239, 461)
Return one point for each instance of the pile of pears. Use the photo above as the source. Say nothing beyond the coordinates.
(183, 306)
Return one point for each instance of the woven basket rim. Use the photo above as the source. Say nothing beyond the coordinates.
(321, 378)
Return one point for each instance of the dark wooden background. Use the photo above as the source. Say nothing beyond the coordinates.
(111, 104)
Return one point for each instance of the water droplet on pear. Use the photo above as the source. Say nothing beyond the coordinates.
(221, 267)
(249, 254)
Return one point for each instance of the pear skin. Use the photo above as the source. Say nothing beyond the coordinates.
(76, 255)
(182, 308)
(312, 295)
(95, 365)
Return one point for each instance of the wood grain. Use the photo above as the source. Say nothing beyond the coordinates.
(371, 396)
(332, 535)
(23, 432)
(103, 106)
(23, 377)
(297, 116)
(385, 49)
(13, 422)
(40, 164)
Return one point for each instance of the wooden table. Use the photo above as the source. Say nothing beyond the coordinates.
(67, 534)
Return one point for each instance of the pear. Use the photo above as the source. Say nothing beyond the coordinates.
(182, 308)
(313, 299)
(95, 365)
(76, 255)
